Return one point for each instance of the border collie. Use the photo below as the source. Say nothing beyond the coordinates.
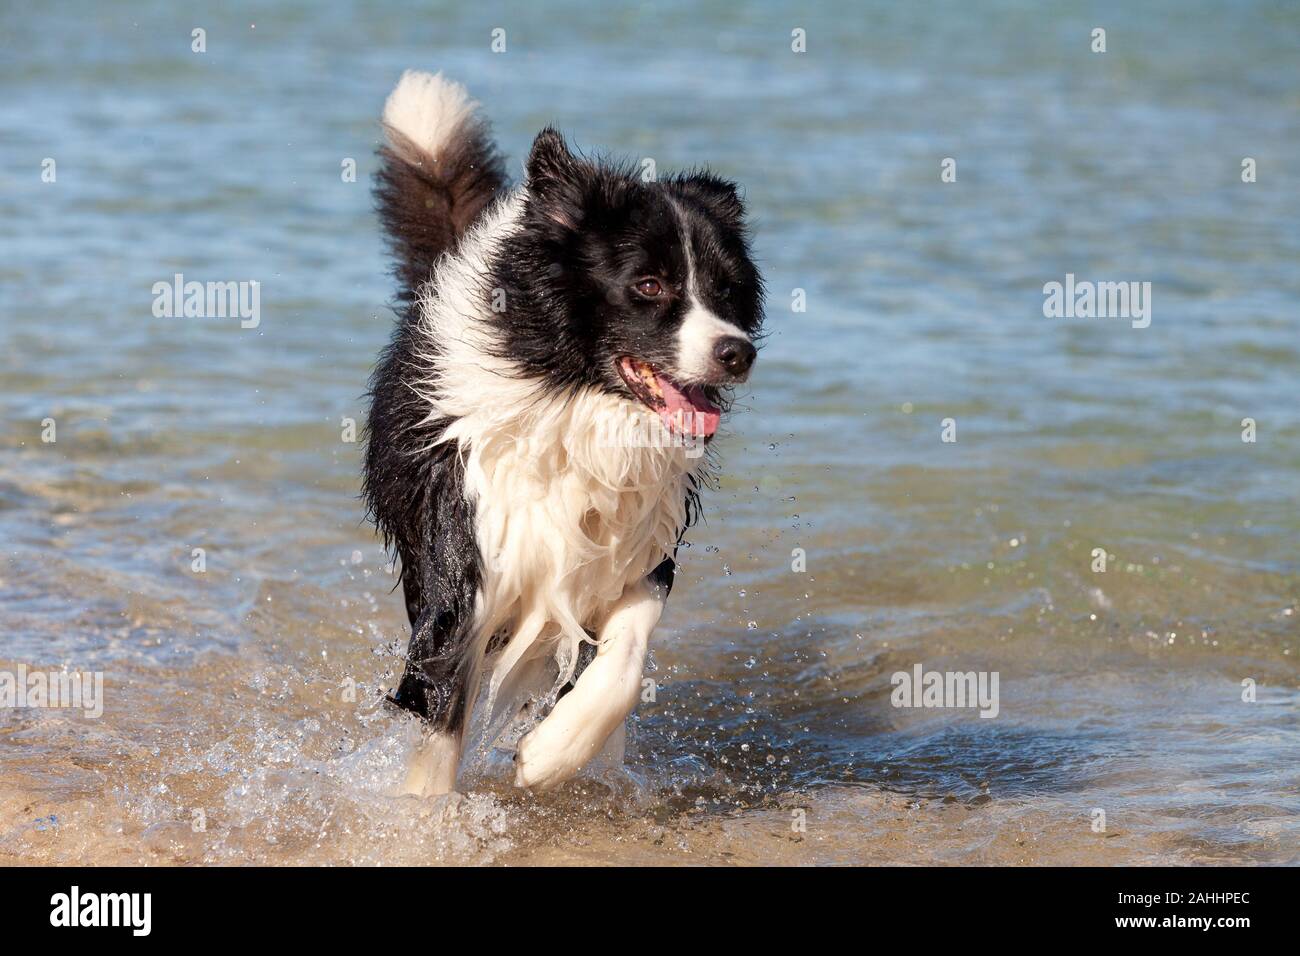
(563, 347)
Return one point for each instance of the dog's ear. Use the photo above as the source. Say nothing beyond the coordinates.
(719, 196)
(554, 176)
(550, 163)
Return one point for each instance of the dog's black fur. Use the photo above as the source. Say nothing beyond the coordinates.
(413, 487)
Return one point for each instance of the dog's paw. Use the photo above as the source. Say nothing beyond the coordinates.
(431, 767)
(545, 758)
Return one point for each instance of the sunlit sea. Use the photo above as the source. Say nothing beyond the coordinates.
(925, 468)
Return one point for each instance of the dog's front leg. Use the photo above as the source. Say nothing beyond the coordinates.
(439, 685)
(604, 694)
(441, 578)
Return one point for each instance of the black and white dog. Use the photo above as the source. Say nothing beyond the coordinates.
(508, 462)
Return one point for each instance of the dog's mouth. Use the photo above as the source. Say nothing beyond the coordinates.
(684, 409)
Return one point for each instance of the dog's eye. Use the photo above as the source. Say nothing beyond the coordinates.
(650, 288)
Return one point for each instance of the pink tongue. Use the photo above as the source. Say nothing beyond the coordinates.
(688, 411)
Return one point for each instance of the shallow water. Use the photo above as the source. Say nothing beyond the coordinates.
(227, 733)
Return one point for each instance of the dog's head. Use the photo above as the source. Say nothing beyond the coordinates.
(641, 288)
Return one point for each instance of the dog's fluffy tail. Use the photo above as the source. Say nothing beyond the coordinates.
(438, 171)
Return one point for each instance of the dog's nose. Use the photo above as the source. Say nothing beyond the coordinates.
(735, 354)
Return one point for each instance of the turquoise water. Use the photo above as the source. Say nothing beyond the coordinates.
(1120, 690)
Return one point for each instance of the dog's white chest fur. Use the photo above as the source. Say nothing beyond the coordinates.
(567, 519)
